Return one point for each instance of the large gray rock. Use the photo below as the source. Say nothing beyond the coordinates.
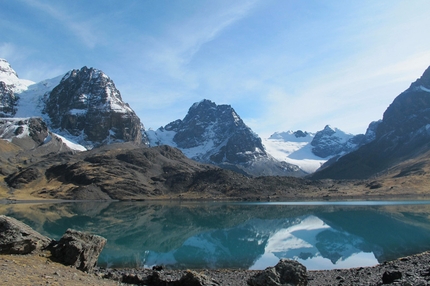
(285, 273)
(78, 249)
(192, 278)
(18, 238)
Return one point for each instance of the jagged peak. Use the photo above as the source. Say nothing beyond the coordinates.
(425, 78)
(5, 67)
(7, 73)
(91, 73)
(205, 103)
(9, 77)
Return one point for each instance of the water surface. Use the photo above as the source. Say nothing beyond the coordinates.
(321, 235)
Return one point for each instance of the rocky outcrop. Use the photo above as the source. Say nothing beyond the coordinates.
(87, 105)
(286, 272)
(18, 238)
(78, 249)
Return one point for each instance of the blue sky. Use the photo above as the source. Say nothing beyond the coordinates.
(282, 65)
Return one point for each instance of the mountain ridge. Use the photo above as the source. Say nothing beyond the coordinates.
(402, 134)
(215, 134)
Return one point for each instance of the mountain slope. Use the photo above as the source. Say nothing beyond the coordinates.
(215, 134)
(403, 134)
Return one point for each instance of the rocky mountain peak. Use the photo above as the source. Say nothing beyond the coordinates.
(6, 71)
(87, 105)
(403, 133)
(409, 111)
(205, 121)
(330, 141)
(424, 80)
(216, 134)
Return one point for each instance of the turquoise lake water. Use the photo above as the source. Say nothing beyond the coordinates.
(193, 235)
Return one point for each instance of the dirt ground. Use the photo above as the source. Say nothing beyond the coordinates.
(35, 269)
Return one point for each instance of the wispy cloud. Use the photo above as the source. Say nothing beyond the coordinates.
(82, 30)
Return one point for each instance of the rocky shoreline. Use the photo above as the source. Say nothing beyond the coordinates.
(410, 270)
(38, 269)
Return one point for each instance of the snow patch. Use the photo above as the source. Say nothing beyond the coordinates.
(72, 145)
(294, 152)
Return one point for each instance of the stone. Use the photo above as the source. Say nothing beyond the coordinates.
(192, 278)
(390, 276)
(285, 273)
(18, 238)
(78, 249)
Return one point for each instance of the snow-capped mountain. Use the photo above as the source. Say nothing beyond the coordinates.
(10, 86)
(311, 150)
(331, 141)
(87, 105)
(83, 106)
(212, 133)
(403, 134)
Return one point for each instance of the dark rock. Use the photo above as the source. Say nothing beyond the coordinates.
(18, 238)
(8, 101)
(192, 278)
(390, 276)
(157, 267)
(286, 272)
(86, 102)
(78, 249)
(134, 279)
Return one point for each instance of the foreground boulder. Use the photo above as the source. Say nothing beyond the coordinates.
(78, 249)
(285, 273)
(18, 238)
(192, 278)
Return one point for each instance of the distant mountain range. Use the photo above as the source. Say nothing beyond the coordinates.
(83, 110)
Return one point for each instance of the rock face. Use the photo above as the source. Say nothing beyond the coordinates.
(219, 125)
(215, 134)
(18, 238)
(8, 101)
(86, 103)
(17, 130)
(10, 85)
(331, 141)
(286, 272)
(403, 134)
(79, 249)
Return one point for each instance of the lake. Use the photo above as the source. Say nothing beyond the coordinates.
(193, 235)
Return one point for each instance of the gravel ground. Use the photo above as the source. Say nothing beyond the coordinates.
(39, 270)
(411, 270)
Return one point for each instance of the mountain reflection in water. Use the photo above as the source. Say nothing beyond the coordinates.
(234, 235)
